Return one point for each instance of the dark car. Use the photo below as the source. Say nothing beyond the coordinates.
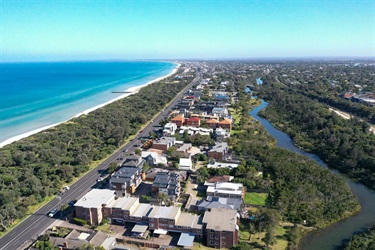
(71, 203)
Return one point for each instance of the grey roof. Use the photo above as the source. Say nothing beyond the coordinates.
(165, 140)
(96, 198)
(227, 221)
(125, 172)
(165, 212)
(139, 228)
(219, 147)
(186, 240)
(131, 164)
(184, 147)
(220, 202)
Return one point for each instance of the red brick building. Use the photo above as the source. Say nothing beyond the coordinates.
(212, 123)
(178, 120)
(225, 124)
(194, 122)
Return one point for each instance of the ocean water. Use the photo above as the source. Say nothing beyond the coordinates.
(35, 95)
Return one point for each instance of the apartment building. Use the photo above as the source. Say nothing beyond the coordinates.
(223, 232)
(126, 180)
(99, 204)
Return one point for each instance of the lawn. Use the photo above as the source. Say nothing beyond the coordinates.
(256, 199)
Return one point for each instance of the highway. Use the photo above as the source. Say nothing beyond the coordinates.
(29, 229)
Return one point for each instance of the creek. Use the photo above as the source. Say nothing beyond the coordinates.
(332, 236)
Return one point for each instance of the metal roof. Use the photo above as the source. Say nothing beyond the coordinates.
(186, 240)
(139, 228)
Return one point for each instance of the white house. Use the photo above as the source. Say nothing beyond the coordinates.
(169, 129)
(186, 164)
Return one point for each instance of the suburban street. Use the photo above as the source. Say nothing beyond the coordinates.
(37, 223)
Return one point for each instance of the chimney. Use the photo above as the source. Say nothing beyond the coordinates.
(66, 244)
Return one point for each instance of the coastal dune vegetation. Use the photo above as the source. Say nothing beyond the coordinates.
(38, 166)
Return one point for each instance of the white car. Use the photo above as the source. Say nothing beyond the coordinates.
(53, 212)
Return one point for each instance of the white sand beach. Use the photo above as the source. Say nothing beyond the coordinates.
(129, 91)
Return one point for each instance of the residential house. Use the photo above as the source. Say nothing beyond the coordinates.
(218, 151)
(225, 124)
(220, 112)
(221, 134)
(186, 164)
(178, 120)
(193, 122)
(133, 161)
(169, 129)
(185, 148)
(212, 123)
(153, 158)
(226, 190)
(164, 143)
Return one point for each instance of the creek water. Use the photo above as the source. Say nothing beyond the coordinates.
(330, 237)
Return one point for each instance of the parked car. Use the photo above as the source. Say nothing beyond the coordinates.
(71, 203)
(100, 179)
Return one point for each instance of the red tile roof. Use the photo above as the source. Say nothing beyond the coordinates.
(194, 119)
(212, 121)
(226, 121)
(178, 118)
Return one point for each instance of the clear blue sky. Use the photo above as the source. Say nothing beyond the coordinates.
(39, 30)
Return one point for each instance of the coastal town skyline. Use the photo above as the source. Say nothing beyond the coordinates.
(125, 30)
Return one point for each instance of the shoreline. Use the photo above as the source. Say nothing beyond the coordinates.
(132, 90)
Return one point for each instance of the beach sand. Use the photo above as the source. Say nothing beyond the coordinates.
(130, 91)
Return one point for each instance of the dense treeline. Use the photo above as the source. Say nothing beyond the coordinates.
(346, 145)
(37, 166)
(325, 93)
(300, 189)
(363, 241)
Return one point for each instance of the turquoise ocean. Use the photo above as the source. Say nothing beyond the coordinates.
(36, 95)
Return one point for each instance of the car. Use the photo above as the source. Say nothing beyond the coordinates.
(100, 179)
(141, 131)
(71, 203)
(66, 188)
(53, 212)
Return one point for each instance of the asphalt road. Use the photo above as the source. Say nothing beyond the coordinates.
(37, 223)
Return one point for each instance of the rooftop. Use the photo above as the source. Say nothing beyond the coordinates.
(189, 220)
(219, 147)
(142, 210)
(178, 118)
(227, 221)
(124, 203)
(165, 212)
(96, 198)
(226, 121)
(165, 140)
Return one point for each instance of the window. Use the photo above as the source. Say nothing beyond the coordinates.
(171, 226)
(211, 236)
(217, 237)
(216, 243)
(223, 243)
(152, 225)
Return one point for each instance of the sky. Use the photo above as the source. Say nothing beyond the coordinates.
(43, 30)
